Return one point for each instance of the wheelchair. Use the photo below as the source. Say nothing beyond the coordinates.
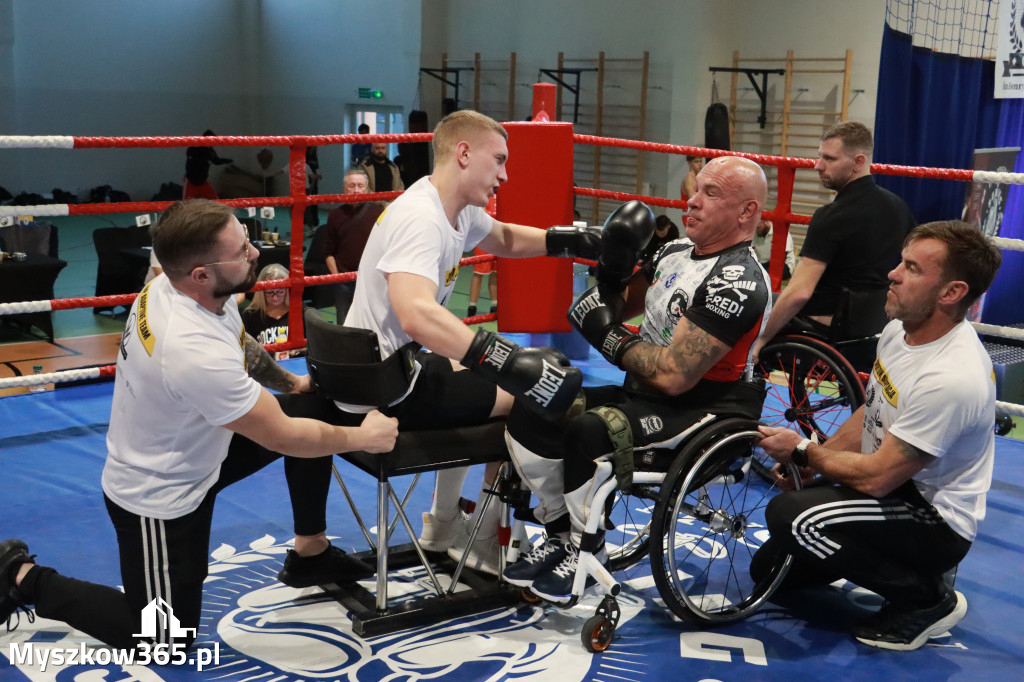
(695, 508)
(815, 375)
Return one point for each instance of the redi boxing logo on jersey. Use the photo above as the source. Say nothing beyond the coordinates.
(724, 304)
(551, 379)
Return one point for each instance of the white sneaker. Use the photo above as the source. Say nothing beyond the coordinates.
(483, 556)
(438, 535)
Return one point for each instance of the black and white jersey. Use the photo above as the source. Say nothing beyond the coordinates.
(727, 294)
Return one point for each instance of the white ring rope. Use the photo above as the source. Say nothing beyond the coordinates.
(25, 307)
(1008, 244)
(1009, 408)
(50, 378)
(1003, 332)
(994, 178)
(37, 142)
(35, 211)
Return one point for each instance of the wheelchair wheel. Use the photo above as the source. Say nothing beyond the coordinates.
(811, 386)
(628, 525)
(707, 525)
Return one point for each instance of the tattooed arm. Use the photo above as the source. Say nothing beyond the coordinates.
(267, 372)
(676, 368)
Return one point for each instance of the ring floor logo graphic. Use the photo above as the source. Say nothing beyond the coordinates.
(254, 627)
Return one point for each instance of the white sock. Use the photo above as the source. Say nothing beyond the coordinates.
(447, 491)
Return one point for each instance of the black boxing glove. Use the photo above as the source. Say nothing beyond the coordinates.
(625, 234)
(569, 241)
(541, 377)
(597, 315)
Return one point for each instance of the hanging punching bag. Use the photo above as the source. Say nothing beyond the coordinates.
(716, 122)
(716, 127)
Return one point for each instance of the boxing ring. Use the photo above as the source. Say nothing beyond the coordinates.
(249, 537)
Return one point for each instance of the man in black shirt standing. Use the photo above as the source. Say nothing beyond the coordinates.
(853, 242)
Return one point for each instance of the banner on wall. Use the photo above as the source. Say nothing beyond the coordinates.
(1010, 50)
(985, 202)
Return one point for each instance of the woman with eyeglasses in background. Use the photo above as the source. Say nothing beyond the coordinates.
(266, 318)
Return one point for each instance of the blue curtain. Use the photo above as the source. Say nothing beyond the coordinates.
(1003, 301)
(934, 110)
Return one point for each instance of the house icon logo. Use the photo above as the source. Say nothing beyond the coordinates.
(158, 617)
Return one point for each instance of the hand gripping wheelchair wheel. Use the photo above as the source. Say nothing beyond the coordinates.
(709, 522)
(811, 386)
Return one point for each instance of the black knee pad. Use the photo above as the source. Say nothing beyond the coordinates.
(585, 438)
(533, 432)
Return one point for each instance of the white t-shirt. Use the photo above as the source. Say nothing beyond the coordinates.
(412, 235)
(180, 377)
(940, 398)
(763, 246)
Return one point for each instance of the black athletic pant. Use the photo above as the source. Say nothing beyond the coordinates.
(897, 546)
(168, 559)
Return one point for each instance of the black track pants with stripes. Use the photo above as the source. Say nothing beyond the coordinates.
(897, 546)
(168, 559)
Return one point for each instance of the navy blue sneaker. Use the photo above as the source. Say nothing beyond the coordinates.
(13, 553)
(556, 585)
(537, 561)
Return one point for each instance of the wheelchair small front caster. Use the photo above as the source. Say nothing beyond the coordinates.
(597, 634)
(599, 629)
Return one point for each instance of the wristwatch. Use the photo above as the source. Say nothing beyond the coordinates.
(799, 455)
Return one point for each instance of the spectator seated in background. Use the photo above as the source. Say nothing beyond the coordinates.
(266, 318)
(763, 248)
(348, 229)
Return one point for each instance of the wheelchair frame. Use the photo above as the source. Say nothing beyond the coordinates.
(710, 458)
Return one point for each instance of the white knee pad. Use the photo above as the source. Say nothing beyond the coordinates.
(545, 477)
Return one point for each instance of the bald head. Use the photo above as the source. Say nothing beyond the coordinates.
(746, 177)
(727, 203)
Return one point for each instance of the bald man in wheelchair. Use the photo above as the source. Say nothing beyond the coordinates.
(704, 299)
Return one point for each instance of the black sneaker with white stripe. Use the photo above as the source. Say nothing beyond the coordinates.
(905, 628)
(537, 561)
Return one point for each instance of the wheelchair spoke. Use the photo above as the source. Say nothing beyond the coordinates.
(705, 554)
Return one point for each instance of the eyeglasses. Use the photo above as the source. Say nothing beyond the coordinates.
(241, 259)
(275, 292)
